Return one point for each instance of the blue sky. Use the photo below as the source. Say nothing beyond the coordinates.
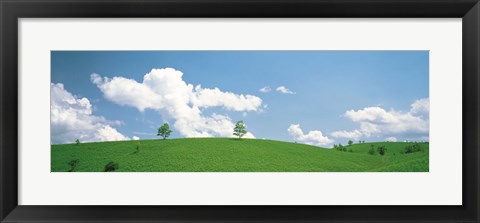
(335, 95)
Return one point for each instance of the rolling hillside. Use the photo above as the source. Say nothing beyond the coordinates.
(232, 155)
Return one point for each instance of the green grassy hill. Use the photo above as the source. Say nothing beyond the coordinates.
(232, 155)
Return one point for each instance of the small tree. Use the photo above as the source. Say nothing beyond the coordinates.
(350, 142)
(239, 129)
(77, 142)
(164, 131)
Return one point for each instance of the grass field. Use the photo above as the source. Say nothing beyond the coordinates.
(232, 155)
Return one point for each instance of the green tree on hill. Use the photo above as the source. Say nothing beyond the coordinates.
(239, 129)
(164, 131)
(350, 142)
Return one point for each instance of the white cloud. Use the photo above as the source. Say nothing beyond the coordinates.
(145, 133)
(355, 134)
(72, 118)
(284, 90)
(265, 89)
(369, 129)
(391, 122)
(164, 91)
(378, 121)
(249, 135)
(206, 97)
(135, 138)
(263, 109)
(314, 137)
(391, 139)
(421, 106)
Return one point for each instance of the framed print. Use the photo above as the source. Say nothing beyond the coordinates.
(239, 111)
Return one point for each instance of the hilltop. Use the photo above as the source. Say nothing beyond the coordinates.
(233, 155)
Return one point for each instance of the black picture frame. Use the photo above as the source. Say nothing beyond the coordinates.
(12, 10)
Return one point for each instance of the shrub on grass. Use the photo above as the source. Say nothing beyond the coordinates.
(371, 151)
(73, 164)
(382, 150)
(111, 167)
(412, 148)
(77, 142)
(338, 147)
(137, 149)
(407, 149)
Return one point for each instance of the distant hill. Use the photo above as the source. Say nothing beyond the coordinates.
(233, 155)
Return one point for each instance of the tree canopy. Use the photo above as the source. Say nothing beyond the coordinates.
(164, 131)
(239, 129)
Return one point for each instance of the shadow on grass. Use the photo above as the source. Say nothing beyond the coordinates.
(236, 139)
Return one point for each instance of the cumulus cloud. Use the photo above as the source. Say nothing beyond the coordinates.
(421, 106)
(265, 89)
(135, 138)
(314, 137)
(355, 134)
(391, 139)
(71, 118)
(164, 91)
(206, 97)
(392, 121)
(284, 90)
(378, 121)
